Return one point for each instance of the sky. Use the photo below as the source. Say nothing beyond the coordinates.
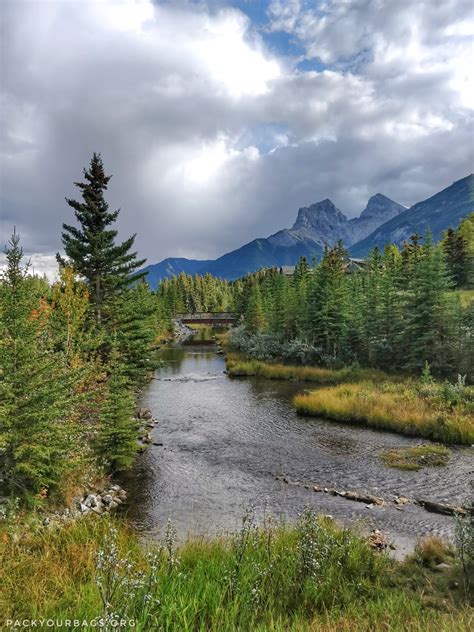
(218, 120)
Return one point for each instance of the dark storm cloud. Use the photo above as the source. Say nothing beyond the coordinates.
(212, 139)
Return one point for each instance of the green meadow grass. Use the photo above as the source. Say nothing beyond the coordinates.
(312, 576)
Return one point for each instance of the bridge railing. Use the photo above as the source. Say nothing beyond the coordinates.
(206, 316)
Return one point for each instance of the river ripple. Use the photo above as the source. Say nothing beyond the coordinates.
(226, 439)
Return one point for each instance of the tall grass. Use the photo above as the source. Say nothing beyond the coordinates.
(399, 407)
(314, 576)
(238, 365)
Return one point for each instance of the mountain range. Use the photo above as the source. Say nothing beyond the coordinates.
(382, 221)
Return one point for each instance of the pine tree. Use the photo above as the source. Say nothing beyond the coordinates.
(278, 304)
(299, 300)
(328, 302)
(116, 441)
(135, 331)
(106, 266)
(357, 335)
(456, 252)
(255, 313)
(391, 352)
(36, 390)
(425, 310)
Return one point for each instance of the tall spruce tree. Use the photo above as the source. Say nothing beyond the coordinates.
(425, 310)
(106, 266)
(456, 251)
(136, 330)
(328, 302)
(117, 437)
(255, 313)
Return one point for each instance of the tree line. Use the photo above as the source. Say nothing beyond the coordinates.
(184, 293)
(396, 311)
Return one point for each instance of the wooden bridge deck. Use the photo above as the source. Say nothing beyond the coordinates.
(207, 318)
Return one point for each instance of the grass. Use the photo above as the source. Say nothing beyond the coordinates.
(238, 365)
(416, 457)
(398, 407)
(437, 411)
(432, 550)
(313, 576)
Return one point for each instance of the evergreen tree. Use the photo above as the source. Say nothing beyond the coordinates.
(328, 302)
(135, 331)
(278, 304)
(106, 266)
(255, 314)
(116, 441)
(391, 352)
(373, 306)
(456, 252)
(36, 390)
(425, 310)
(299, 302)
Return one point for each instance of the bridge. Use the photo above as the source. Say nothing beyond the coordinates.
(216, 319)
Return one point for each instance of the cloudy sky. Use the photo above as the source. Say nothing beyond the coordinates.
(219, 119)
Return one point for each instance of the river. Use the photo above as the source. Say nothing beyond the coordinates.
(225, 440)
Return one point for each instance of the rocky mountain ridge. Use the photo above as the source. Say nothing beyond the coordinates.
(323, 224)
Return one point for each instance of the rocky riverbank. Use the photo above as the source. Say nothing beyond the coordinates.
(97, 501)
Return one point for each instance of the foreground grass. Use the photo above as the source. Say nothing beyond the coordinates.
(238, 365)
(417, 457)
(399, 407)
(314, 576)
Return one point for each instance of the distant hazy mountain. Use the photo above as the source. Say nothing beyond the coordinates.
(436, 214)
(382, 221)
(316, 226)
(171, 266)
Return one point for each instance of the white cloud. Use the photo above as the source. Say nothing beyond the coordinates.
(37, 264)
(212, 138)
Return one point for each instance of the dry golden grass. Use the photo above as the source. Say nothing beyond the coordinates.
(396, 407)
(238, 365)
(432, 550)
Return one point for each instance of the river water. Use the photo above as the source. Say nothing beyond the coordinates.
(225, 440)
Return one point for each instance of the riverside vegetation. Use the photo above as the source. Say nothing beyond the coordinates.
(363, 336)
(74, 355)
(417, 457)
(441, 411)
(312, 576)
